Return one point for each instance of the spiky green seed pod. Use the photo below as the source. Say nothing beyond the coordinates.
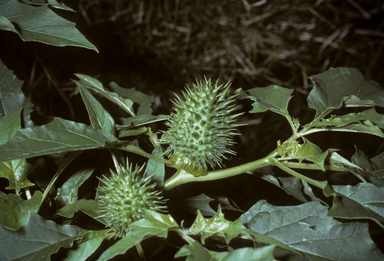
(124, 197)
(202, 129)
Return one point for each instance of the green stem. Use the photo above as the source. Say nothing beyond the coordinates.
(182, 177)
(295, 165)
(319, 184)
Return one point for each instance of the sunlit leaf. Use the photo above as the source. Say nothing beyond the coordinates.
(67, 193)
(55, 137)
(98, 116)
(37, 240)
(16, 171)
(343, 86)
(308, 229)
(273, 98)
(358, 202)
(11, 96)
(154, 224)
(41, 24)
(15, 211)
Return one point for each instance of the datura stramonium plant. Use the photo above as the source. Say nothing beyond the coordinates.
(202, 127)
(124, 197)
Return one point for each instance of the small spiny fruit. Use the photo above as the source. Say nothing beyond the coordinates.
(124, 197)
(202, 127)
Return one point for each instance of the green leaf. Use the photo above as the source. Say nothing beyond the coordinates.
(273, 98)
(15, 211)
(16, 171)
(37, 240)
(307, 151)
(41, 24)
(67, 193)
(140, 120)
(11, 96)
(371, 169)
(246, 254)
(98, 116)
(198, 204)
(88, 206)
(9, 124)
(358, 202)
(343, 86)
(96, 86)
(87, 246)
(143, 100)
(155, 168)
(154, 224)
(308, 229)
(195, 252)
(55, 137)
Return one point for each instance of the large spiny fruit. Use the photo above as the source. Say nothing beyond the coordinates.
(202, 128)
(124, 197)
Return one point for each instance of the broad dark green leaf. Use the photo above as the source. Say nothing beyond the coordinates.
(67, 193)
(15, 211)
(371, 169)
(198, 203)
(9, 124)
(143, 100)
(37, 240)
(16, 171)
(156, 169)
(98, 116)
(195, 252)
(343, 86)
(308, 229)
(55, 137)
(96, 86)
(273, 98)
(11, 96)
(87, 246)
(358, 202)
(41, 24)
(154, 224)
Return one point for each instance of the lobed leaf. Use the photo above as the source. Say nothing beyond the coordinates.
(40, 24)
(9, 124)
(371, 169)
(273, 98)
(15, 211)
(37, 240)
(55, 137)
(16, 171)
(308, 229)
(87, 246)
(198, 204)
(88, 206)
(343, 86)
(358, 202)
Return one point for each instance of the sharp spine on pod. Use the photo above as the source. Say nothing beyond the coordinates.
(201, 129)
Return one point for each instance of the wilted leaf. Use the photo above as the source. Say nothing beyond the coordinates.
(11, 96)
(308, 229)
(37, 240)
(156, 169)
(154, 224)
(55, 137)
(16, 171)
(67, 193)
(358, 202)
(98, 116)
(15, 211)
(41, 24)
(273, 98)
(343, 86)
